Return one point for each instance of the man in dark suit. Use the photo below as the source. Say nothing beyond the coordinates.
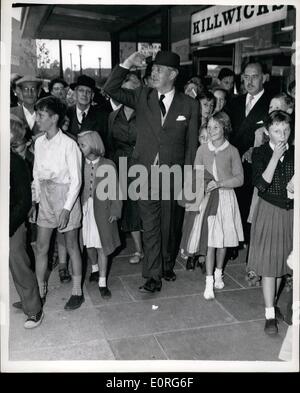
(28, 88)
(247, 113)
(83, 116)
(167, 124)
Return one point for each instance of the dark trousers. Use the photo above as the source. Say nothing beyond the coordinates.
(24, 278)
(162, 223)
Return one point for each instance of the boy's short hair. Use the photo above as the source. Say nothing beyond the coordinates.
(277, 117)
(288, 100)
(94, 140)
(17, 130)
(207, 95)
(222, 118)
(224, 73)
(54, 106)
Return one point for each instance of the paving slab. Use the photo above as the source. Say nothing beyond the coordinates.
(92, 350)
(187, 283)
(59, 328)
(118, 291)
(240, 341)
(137, 348)
(138, 318)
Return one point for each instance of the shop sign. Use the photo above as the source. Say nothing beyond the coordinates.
(149, 49)
(218, 21)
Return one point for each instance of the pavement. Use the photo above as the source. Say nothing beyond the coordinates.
(174, 324)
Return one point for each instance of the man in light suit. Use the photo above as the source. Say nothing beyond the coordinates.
(247, 113)
(167, 124)
(29, 88)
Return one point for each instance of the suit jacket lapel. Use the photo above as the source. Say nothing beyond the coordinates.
(154, 115)
(258, 109)
(174, 110)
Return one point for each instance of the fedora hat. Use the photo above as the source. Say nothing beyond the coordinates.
(29, 78)
(169, 59)
(84, 80)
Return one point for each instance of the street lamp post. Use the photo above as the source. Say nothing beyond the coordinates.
(99, 59)
(80, 57)
(72, 77)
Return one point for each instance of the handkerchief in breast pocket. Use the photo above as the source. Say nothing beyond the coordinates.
(181, 118)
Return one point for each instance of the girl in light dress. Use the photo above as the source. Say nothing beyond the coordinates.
(224, 226)
(99, 225)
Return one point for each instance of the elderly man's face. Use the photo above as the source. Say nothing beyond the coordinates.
(162, 76)
(253, 79)
(29, 92)
(84, 95)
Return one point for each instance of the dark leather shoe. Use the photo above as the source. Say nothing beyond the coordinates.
(105, 292)
(271, 327)
(18, 305)
(64, 275)
(74, 302)
(190, 264)
(150, 286)
(94, 276)
(169, 275)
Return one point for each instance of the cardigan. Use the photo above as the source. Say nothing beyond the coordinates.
(274, 192)
(103, 209)
(228, 163)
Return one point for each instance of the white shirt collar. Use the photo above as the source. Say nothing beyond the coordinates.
(92, 162)
(256, 97)
(211, 147)
(55, 139)
(272, 146)
(167, 100)
(79, 112)
(30, 117)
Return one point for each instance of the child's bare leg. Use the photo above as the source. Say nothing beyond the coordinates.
(72, 244)
(210, 264)
(41, 263)
(221, 253)
(93, 258)
(269, 290)
(102, 262)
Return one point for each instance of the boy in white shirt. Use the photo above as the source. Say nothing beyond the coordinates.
(56, 186)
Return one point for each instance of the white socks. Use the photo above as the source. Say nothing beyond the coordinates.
(102, 282)
(270, 312)
(95, 268)
(209, 288)
(219, 283)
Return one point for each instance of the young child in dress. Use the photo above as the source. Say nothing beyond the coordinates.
(99, 225)
(56, 187)
(271, 238)
(223, 162)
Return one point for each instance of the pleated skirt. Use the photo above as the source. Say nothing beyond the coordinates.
(271, 240)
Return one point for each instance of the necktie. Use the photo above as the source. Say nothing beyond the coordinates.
(249, 105)
(83, 117)
(162, 105)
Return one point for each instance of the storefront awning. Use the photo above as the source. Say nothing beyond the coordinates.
(85, 22)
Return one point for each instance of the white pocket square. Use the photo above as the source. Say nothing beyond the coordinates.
(181, 118)
(260, 122)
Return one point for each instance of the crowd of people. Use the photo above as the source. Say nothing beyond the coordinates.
(62, 141)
